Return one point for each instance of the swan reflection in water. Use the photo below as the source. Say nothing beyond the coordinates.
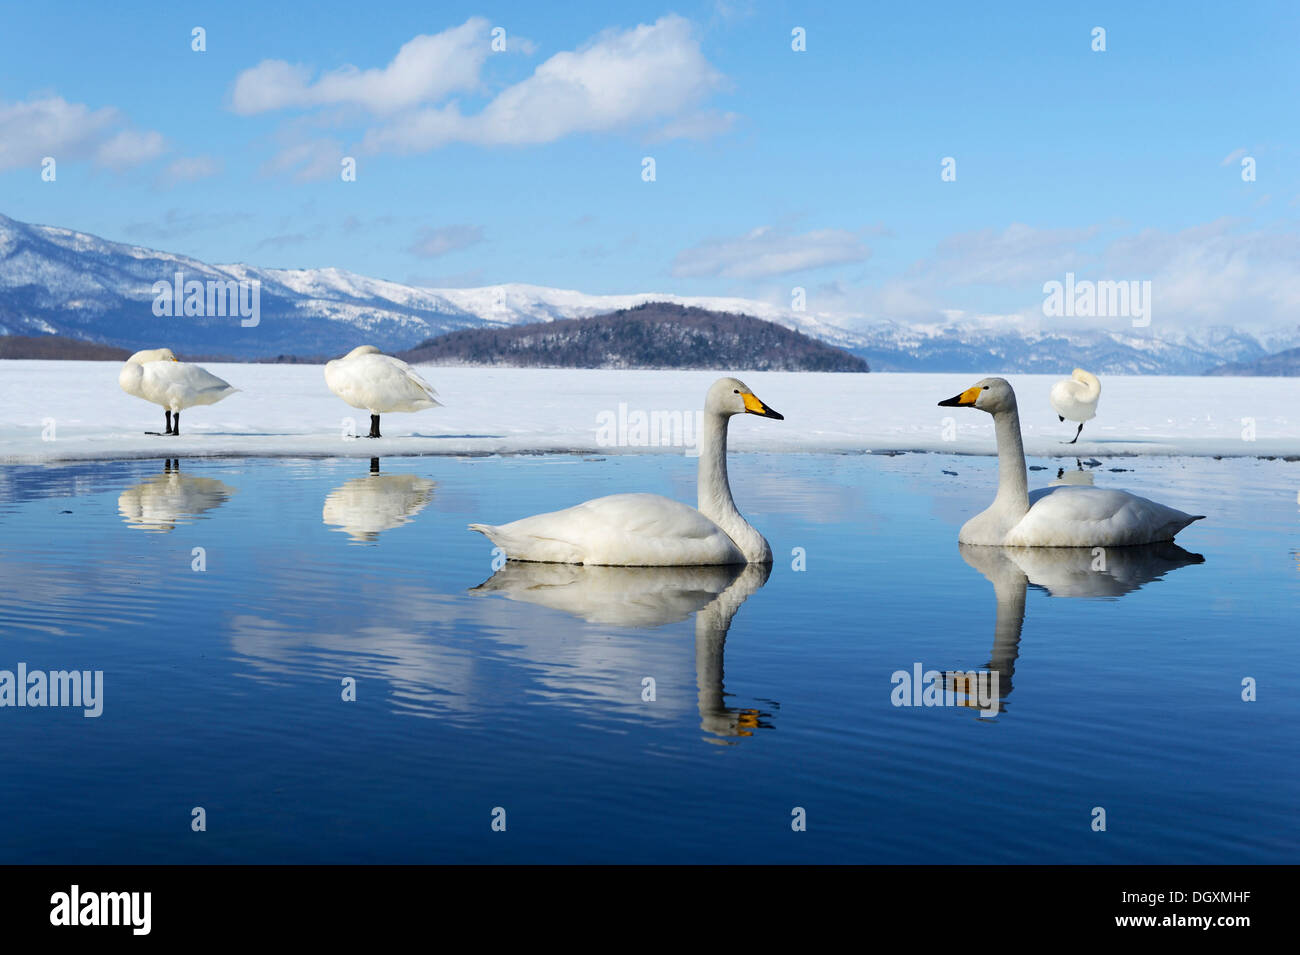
(364, 507)
(1063, 572)
(165, 500)
(646, 597)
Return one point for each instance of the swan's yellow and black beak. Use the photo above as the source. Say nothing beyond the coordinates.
(963, 400)
(754, 406)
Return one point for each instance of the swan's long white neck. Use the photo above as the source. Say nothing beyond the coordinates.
(1091, 386)
(1013, 480)
(714, 499)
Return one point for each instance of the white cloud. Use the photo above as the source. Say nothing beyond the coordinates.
(1015, 255)
(51, 126)
(425, 70)
(766, 251)
(435, 242)
(1224, 272)
(309, 160)
(702, 125)
(1214, 273)
(652, 76)
(637, 77)
(130, 148)
(190, 169)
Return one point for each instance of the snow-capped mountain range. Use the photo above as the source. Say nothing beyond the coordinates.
(61, 282)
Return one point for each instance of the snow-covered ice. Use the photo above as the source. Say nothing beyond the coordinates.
(66, 411)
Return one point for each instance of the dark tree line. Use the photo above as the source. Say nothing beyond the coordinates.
(653, 335)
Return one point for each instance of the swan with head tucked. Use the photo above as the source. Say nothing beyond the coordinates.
(1075, 398)
(156, 375)
(367, 379)
(1061, 516)
(646, 530)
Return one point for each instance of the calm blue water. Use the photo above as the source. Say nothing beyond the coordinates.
(222, 687)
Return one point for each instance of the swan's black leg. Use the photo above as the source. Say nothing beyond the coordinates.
(374, 465)
(374, 427)
(169, 421)
(176, 423)
(1076, 434)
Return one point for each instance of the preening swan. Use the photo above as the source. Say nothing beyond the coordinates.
(646, 530)
(378, 383)
(155, 375)
(1062, 516)
(1076, 397)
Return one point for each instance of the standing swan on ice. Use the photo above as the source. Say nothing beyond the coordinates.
(378, 383)
(1062, 516)
(646, 530)
(155, 375)
(1076, 397)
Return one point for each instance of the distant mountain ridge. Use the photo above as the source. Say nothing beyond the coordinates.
(653, 335)
(57, 281)
(60, 282)
(1284, 364)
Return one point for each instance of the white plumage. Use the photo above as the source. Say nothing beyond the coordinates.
(367, 379)
(156, 375)
(646, 530)
(1075, 398)
(1062, 516)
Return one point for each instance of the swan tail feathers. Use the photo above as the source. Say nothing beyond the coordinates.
(1174, 526)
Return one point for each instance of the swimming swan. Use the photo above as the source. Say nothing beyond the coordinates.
(1076, 398)
(155, 375)
(1063, 516)
(378, 383)
(646, 530)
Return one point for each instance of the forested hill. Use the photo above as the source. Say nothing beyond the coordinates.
(653, 335)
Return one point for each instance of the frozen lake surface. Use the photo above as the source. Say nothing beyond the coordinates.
(525, 689)
(65, 411)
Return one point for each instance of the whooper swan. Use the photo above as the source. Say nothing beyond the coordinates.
(155, 375)
(378, 383)
(1075, 398)
(646, 530)
(1062, 516)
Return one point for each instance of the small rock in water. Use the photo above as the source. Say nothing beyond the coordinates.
(953, 473)
(1119, 469)
(1092, 463)
(1037, 467)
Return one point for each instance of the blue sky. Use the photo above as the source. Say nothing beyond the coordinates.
(774, 168)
